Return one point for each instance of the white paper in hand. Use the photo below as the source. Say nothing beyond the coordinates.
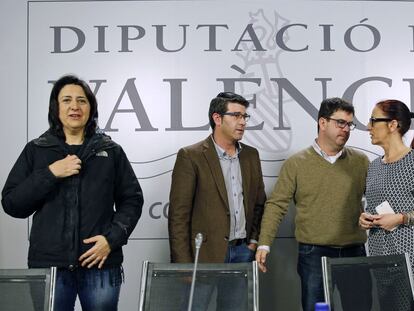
(385, 208)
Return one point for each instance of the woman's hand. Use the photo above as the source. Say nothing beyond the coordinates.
(66, 167)
(388, 221)
(97, 254)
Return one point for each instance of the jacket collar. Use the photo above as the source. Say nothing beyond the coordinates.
(211, 156)
(96, 143)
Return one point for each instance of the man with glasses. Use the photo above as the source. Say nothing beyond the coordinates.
(326, 182)
(217, 189)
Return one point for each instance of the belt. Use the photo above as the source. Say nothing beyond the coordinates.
(335, 246)
(70, 268)
(237, 242)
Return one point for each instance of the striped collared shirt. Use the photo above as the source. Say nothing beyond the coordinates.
(230, 167)
(323, 154)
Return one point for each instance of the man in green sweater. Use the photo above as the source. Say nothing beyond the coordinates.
(326, 182)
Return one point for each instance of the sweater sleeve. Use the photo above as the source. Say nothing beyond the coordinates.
(278, 203)
(26, 187)
(128, 203)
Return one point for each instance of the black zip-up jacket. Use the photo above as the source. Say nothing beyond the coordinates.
(105, 198)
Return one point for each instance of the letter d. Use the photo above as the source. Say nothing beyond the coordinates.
(58, 39)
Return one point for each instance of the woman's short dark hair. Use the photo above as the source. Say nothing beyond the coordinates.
(397, 110)
(55, 126)
(219, 104)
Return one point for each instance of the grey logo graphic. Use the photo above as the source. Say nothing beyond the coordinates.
(263, 65)
(102, 154)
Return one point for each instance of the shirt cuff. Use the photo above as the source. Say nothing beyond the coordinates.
(264, 247)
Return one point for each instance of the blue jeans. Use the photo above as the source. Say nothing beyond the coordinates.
(310, 272)
(231, 292)
(239, 253)
(98, 289)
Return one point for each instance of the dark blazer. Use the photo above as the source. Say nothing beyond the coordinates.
(199, 203)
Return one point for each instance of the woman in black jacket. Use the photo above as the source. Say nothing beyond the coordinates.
(84, 197)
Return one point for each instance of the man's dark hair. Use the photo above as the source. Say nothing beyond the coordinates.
(55, 126)
(220, 102)
(331, 105)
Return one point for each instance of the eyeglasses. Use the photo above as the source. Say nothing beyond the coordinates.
(342, 123)
(372, 120)
(237, 115)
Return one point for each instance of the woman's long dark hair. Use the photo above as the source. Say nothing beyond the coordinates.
(55, 126)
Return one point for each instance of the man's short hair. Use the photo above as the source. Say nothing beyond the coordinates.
(331, 105)
(220, 102)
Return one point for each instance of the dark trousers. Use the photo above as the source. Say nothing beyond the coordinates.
(231, 293)
(97, 289)
(310, 272)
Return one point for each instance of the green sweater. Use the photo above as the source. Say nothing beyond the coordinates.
(327, 198)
